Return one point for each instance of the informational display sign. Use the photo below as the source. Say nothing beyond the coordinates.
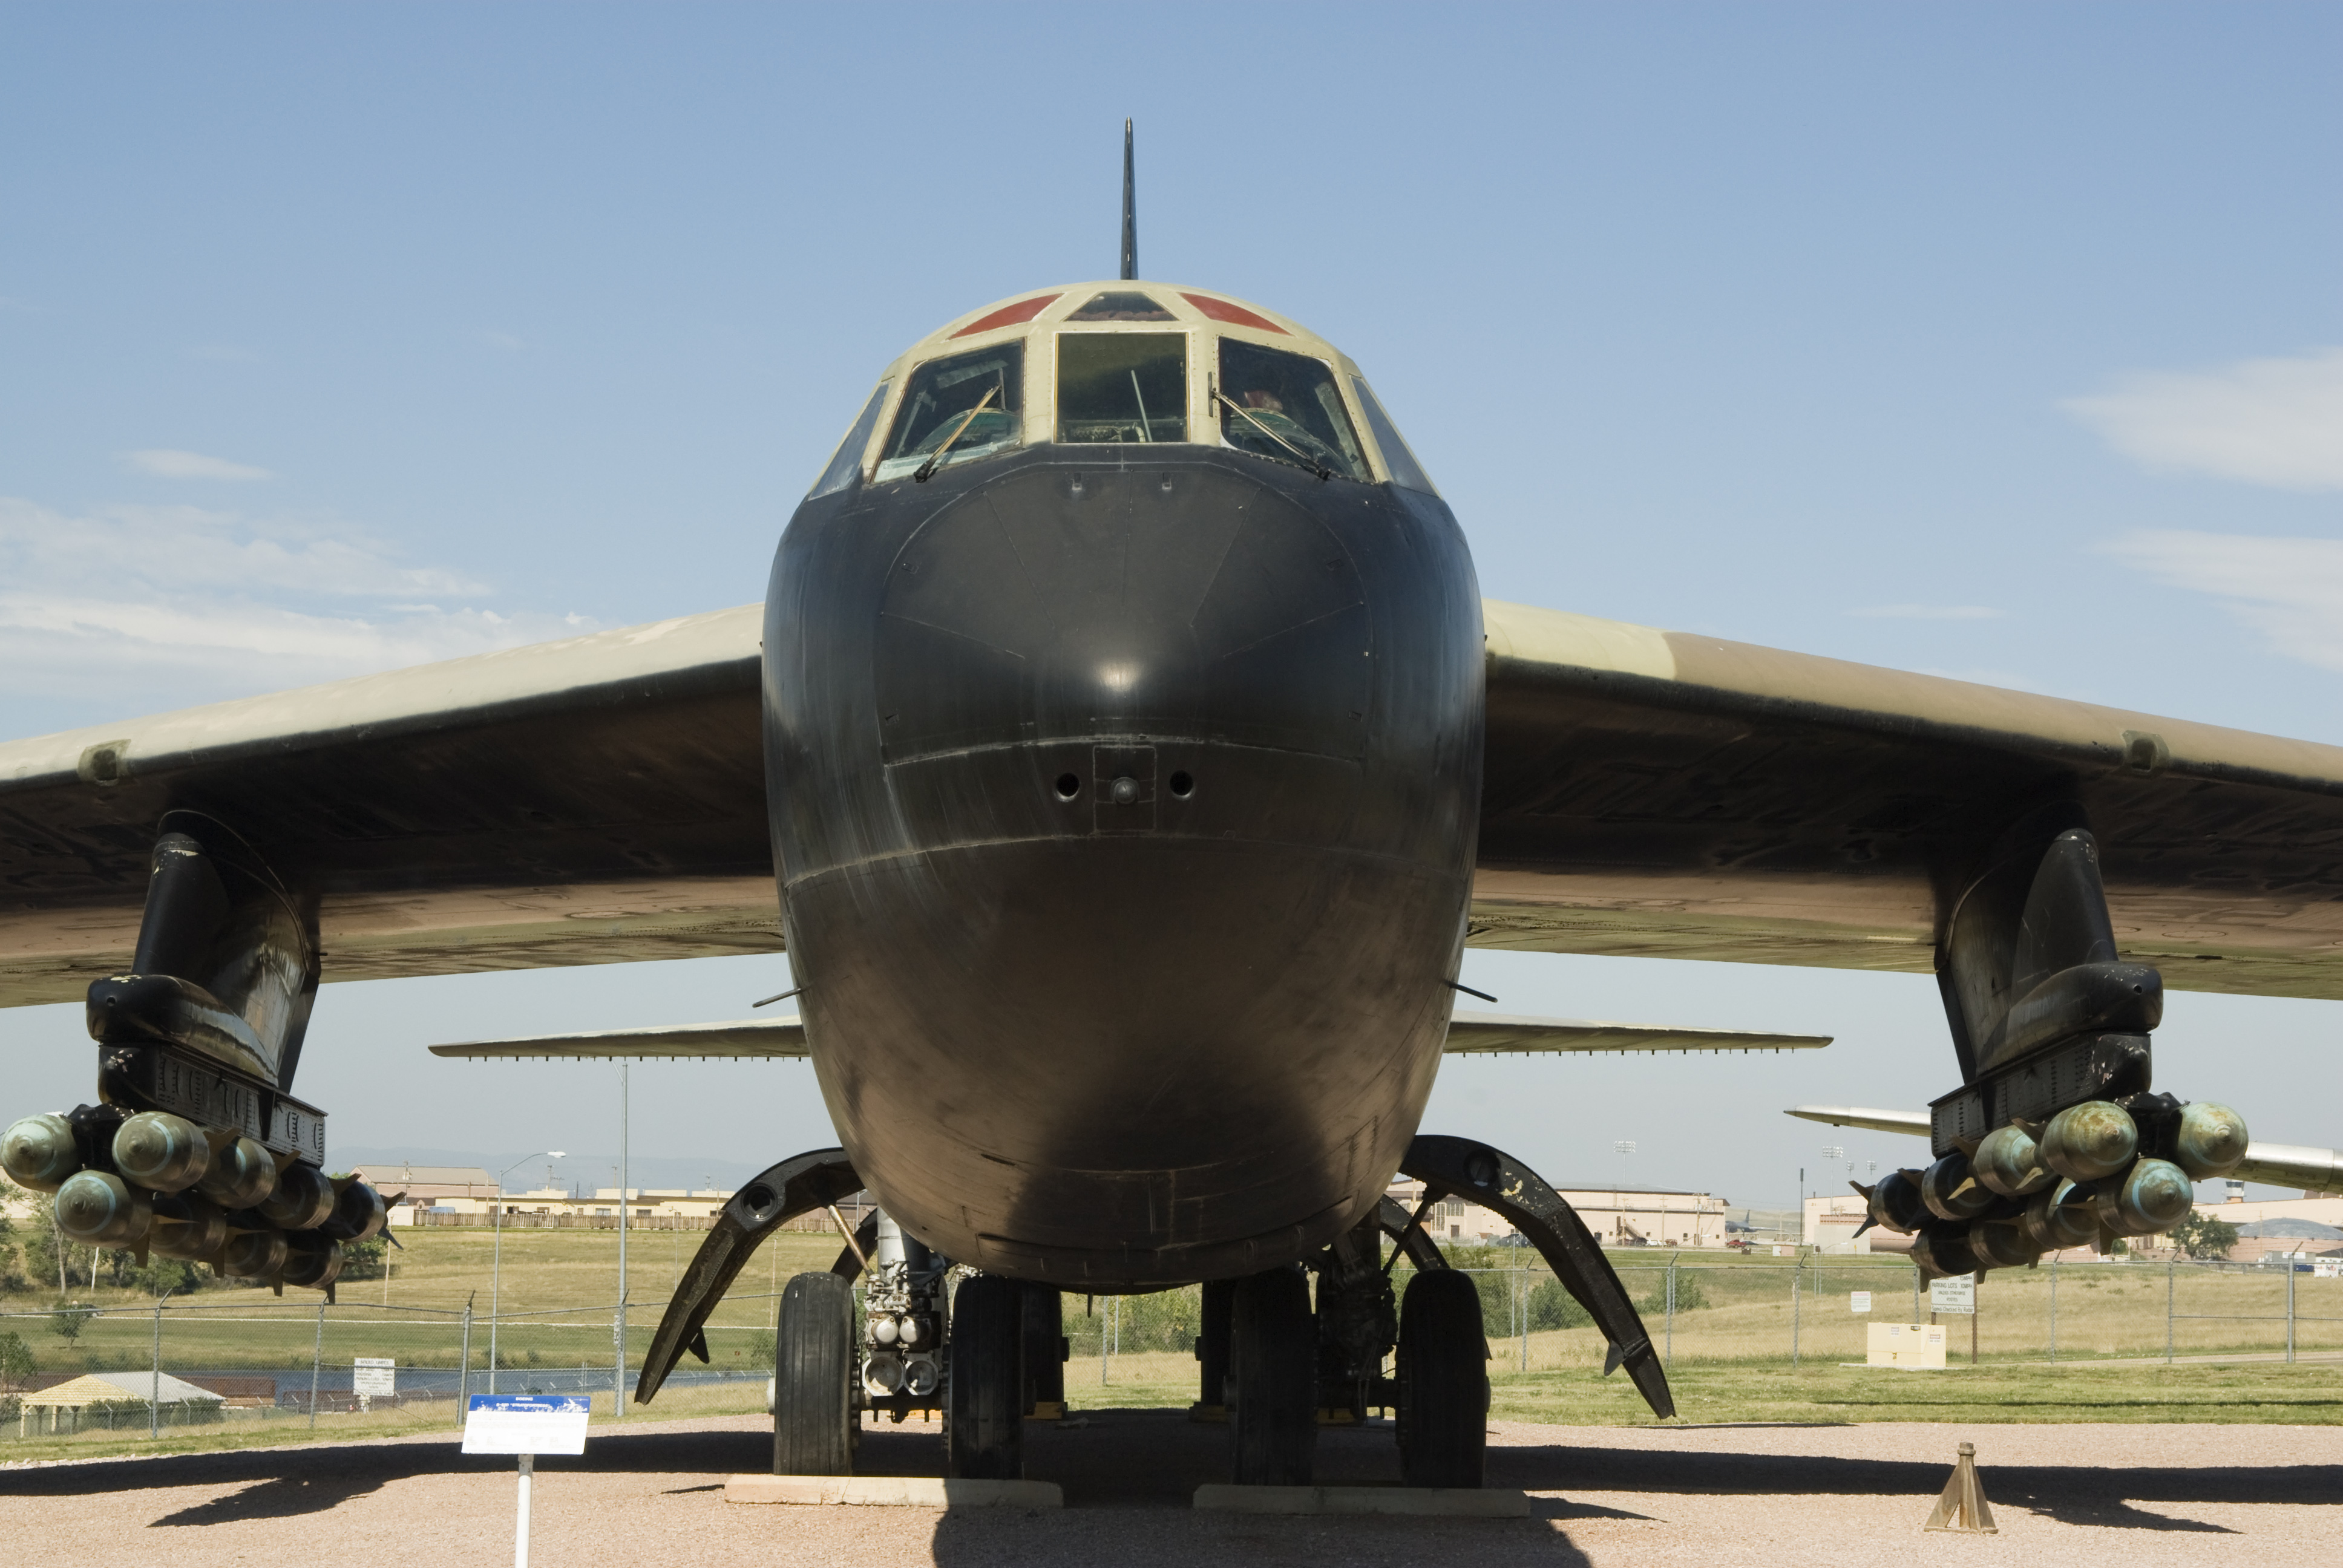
(525, 1423)
(1858, 1300)
(373, 1377)
(1956, 1295)
(1904, 1346)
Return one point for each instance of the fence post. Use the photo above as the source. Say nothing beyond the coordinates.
(316, 1361)
(2289, 1309)
(1797, 1266)
(1668, 1356)
(2054, 1306)
(1916, 1292)
(2171, 1267)
(464, 1376)
(156, 1386)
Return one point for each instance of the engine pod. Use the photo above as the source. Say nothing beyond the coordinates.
(39, 1153)
(301, 1201)
(98, 1209)
(2089, 1142)
(161, 1152)
(2211, 1141)
(2008, 1161)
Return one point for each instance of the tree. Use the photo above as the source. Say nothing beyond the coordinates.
(16, 1362)
(70, 1318)
(2202, 1236)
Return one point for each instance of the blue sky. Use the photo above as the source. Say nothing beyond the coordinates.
(1999, 341)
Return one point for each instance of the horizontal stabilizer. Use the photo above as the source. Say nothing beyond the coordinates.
(2272, 1164)
(1469, 1033)
(1494, 1034)
(747, 1037)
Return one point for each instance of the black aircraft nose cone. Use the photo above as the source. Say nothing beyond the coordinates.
(1058, 603)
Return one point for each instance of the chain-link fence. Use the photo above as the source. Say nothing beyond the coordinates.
(359, 1368)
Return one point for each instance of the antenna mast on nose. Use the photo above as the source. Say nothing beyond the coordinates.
(1130, 210)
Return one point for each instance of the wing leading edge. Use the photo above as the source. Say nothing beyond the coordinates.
(1658, 794)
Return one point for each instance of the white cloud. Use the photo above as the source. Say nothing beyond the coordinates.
(2288, 589)
(2276, 422)
(140, 607)
(171, 464)
(1928, 612)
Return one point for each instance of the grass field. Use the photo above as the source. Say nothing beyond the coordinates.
(1730, 1345)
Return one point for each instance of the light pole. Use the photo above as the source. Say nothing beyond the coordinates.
(1623, 1147)
(496, 1266)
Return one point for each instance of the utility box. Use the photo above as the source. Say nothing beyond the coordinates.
(1904, 1346)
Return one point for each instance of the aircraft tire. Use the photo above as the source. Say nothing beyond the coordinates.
(985, 1431)
(813, 1378)
(1043, 1328)
(1273, 1375)
(1444, 1381)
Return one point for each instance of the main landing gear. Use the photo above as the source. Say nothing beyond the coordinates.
(1279, 1367)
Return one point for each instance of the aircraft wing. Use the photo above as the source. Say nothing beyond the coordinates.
(2274, 1164)
(1661, 794)
(1469, 1034)
(587, 801)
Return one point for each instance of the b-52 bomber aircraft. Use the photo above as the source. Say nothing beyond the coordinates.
(1134, 755)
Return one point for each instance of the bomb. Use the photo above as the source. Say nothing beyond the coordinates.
(2002, 1243)
(241, 1174)
(2211, 1140)
(2064, 1216)
(359, 1214)
(2008, 1161)
(302, 1200)
(1943, 1250)
(187, 1225)
(39, 1153)
(98, 1209)
(161, 1152)
(2156, 1195)
(1952, 1192)
(311, 1262)
(2088, 1142)
(253, 1254)
(1895, 1203)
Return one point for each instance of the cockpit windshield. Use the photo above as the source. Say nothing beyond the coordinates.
(1122, 386)
(966, 406)
(1285, 406)
(1406, 471)
(846, 461)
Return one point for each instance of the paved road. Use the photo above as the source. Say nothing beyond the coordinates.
(652, 1494)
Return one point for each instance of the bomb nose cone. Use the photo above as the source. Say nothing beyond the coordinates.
(161, 1152)
(2156, 1195)
(39, 1153)
(98, 1209)
(2212, 1140)
(2091, 1140)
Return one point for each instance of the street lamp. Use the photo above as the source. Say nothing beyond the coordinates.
(497, 1267)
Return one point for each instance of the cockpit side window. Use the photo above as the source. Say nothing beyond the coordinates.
(846, 461)
(1285, 406)
(1122, 386)
(1406, 471)
(966, 406)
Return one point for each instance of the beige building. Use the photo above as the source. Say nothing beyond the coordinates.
(1619, 1216)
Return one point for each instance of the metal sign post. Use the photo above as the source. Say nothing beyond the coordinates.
(524, 1425)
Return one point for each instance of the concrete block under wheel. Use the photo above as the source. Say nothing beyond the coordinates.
(893, 1491)
(1446, 1501)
